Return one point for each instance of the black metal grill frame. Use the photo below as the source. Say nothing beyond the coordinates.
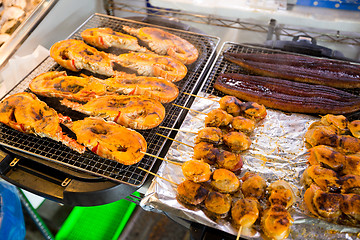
(56, 152)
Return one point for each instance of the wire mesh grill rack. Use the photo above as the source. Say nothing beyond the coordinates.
(56, 152)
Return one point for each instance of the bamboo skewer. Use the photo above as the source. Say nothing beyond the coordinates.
(174, 129)
(174, 140)
(239, 233)
(157, 175)
(167, 160)
(193, 95)
(189, 109)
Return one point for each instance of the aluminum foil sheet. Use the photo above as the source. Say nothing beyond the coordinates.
(277, 151)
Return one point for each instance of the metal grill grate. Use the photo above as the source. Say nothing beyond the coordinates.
(220, 66)
(89, 162)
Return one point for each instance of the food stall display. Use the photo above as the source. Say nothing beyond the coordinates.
(231, 133)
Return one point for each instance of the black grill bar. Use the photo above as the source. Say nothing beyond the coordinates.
(56, 152)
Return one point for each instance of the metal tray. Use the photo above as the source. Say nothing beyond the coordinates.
(56, 152)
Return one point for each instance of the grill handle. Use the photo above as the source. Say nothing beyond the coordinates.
(56, 183)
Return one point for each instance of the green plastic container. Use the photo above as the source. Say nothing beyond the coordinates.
(96, 223)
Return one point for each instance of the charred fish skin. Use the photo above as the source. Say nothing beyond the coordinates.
(288, 95)
(300, 68)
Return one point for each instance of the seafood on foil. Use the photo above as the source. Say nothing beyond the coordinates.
(338, 74)
(109, 140)
(136, 112)
(104, 38)
(59, 84)
(165, 43)
(332, 179)
(24, 112)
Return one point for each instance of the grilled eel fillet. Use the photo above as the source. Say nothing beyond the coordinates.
(287, 95)
(299, 68)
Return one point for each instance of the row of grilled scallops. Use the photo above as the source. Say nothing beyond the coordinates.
(222, 194)
(117, 105)
(333, 176)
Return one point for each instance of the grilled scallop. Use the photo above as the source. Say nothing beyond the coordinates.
(354, 127)
(339, 122)
(276, 222)
(325, 178)
(351, 207)
(209, 134)
(281, 193)
(245, 212)
(254, 111)
(206, 152)
(231, 105)
(328, 157)
(237, 141)
(217, 205)
(225, 181)
(322, 135)
(110, 140)
(350, 183)
(191, 193)
(348, 144)
(243, 124)
(218, 118)
(196, 170)
(253, 185)
(323, 204)
(352, 164)
(230, 161)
